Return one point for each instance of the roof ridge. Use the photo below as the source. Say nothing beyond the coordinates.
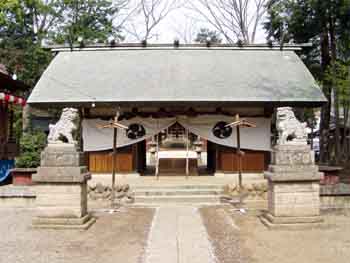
(212, 46)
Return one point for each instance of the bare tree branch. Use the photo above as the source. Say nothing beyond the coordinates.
(126, 11)
(234, 19)
(149, 14)
(185, 32)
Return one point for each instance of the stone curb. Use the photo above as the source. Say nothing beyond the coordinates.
(64, 223)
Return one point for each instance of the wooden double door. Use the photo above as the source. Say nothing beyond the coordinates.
(128, 159)
(225, 159)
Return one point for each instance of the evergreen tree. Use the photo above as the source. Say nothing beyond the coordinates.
(326, 24)
(206, 34)
(26, 24)
(91, 21)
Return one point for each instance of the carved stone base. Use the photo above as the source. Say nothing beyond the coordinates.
(291, 223)
(67, 200)
(293, 199)
(64, 223)
(61, 155)
(61, 190)
(293, 188)
(290, 155)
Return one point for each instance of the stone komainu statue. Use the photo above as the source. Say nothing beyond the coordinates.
(290, 130)
(65, 130)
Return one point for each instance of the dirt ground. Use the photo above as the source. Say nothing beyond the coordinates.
(257, 244)
(224, 236)
(119, 237)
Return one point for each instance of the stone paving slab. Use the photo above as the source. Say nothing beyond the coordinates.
(8, 191)
(178, 236)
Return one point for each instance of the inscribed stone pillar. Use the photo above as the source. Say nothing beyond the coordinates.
(293, 188)
(61, 189)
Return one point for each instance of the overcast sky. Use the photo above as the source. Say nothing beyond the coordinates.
(176, 23)
(182, 23)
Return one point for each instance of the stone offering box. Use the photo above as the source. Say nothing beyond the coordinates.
(61, 189)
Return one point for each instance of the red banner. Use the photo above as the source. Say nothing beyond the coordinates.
(7, 98)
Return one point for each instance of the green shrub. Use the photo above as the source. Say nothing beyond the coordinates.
(31, 146)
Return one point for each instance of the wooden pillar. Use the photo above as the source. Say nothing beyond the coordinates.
(135, 152)
(4, 123)
(187, 149)
(239, 157)
(157, 157)
(216, 157)
(80, 138)
(211, 157)
(11, 121)
(140, 156)
(114, 161)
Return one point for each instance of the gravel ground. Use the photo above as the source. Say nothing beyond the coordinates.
(119, 237)
(241, 237)
(328, 244)
(224, 236)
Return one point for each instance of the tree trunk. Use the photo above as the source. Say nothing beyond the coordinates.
(335, 89)
(326, 109)
(345, 150)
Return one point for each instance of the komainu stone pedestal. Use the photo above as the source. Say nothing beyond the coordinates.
(293, 188)
(61, 189)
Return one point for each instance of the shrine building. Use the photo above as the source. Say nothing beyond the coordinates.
(9, 101)
(176, 103)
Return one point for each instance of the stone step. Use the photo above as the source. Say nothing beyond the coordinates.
(248, 180)
(16, 197)
(247, 177)
(177, 187)
(174, 192)
(159, 204)
(249, 203)
(190, 199)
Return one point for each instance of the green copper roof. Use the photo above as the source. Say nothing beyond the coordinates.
(177, 75)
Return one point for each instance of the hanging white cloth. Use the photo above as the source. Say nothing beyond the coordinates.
(96, 139)
(258, 138)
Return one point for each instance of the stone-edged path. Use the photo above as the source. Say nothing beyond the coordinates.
(178, 236)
